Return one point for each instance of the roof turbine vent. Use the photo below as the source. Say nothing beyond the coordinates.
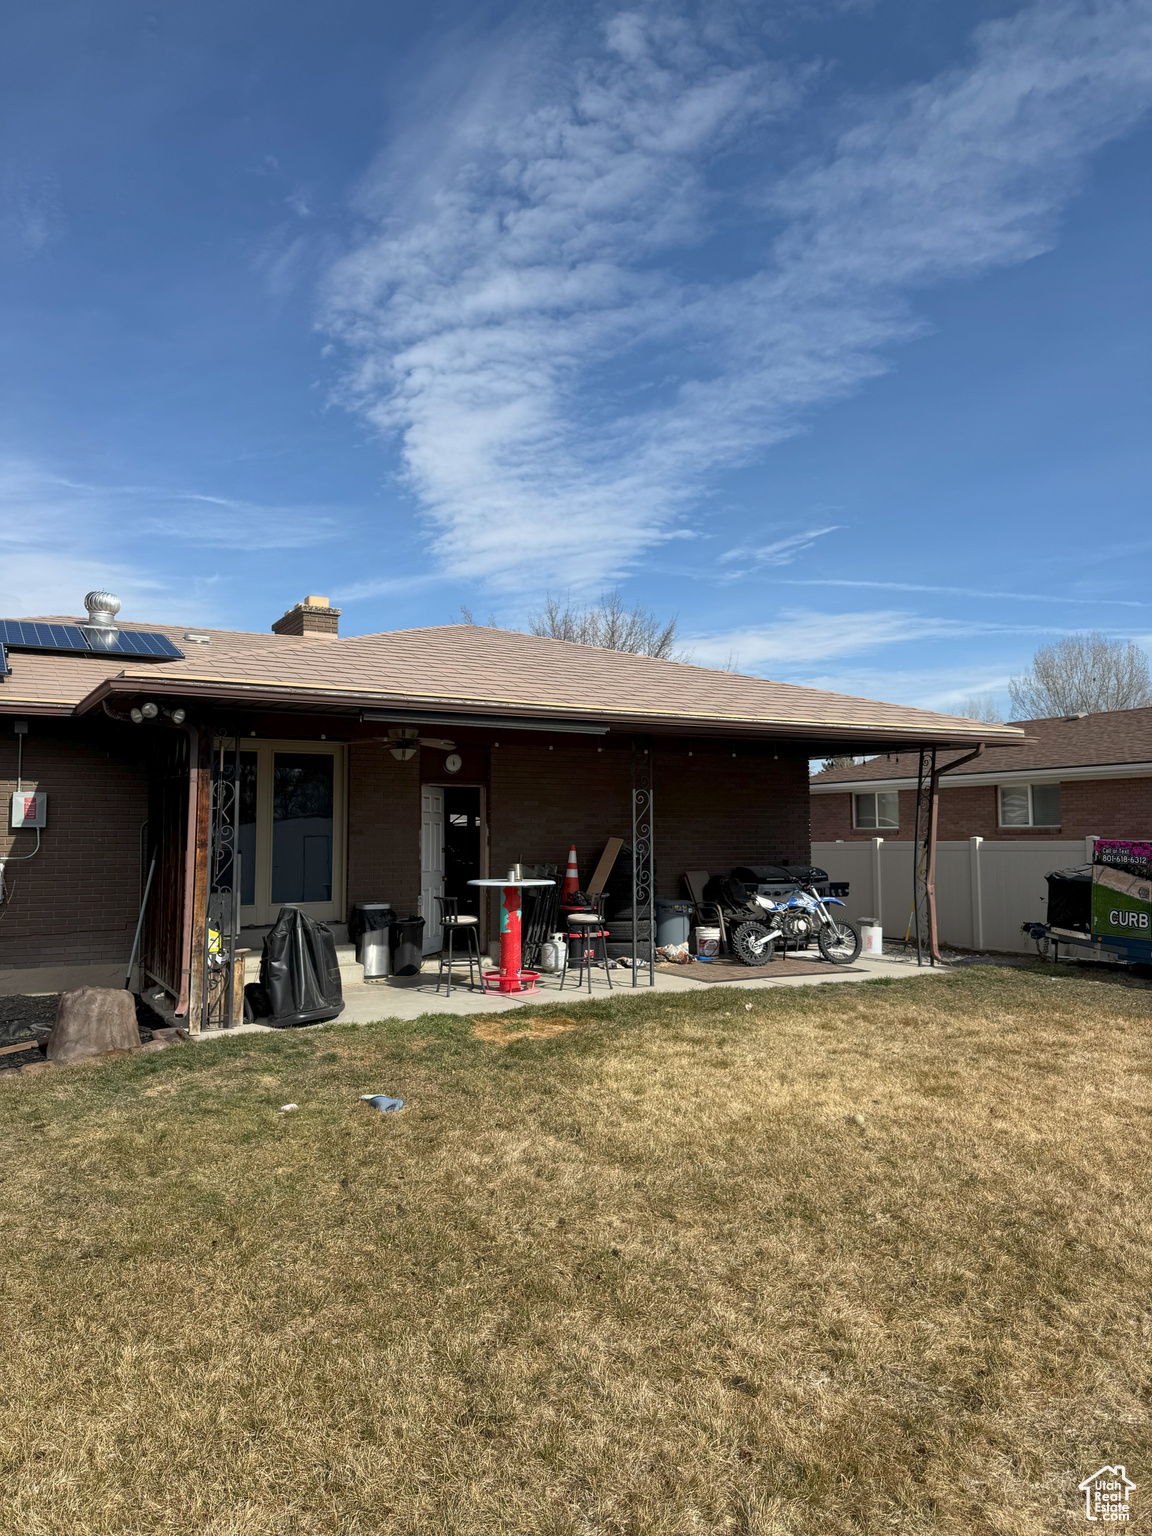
(102, 610)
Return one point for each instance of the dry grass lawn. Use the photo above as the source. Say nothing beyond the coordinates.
(635, 1271)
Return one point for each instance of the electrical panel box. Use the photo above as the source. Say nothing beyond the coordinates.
(29, 808)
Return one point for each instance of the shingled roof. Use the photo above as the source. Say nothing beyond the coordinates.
(1106, 740)
(470, 669)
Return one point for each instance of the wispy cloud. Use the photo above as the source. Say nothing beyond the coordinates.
(32, 498)
(31, 210)
(386, 586)
(752, 555)
(531, 319)
(801, 637)
(61, 537)
(977, 592)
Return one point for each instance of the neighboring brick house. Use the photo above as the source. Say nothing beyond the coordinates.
(1005, 820)
(1080, 776)
(372, 768)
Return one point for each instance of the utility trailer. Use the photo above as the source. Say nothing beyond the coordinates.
(1102, 910)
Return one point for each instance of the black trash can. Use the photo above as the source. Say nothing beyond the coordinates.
(406, 941)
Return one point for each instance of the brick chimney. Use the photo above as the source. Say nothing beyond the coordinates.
(311, 617)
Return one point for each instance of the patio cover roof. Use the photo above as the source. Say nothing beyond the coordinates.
(478, 671)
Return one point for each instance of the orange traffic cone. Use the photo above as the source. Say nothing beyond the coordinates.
(571, 877)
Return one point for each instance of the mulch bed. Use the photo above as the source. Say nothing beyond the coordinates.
(776, 970)
(25, 1020)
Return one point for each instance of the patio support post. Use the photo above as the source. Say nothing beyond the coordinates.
(924, 858)
(199, 832)
(642, 874)
(188, 902)
(924, 848)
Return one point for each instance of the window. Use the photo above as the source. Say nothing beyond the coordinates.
(302, 806)
(290, 826)
(1029, 805)
(879, 811)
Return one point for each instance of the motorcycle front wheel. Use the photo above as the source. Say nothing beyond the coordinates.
(839, 942)
(753, 944)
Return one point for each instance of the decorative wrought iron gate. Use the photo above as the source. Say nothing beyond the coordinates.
(643, 878)
(219, 1003)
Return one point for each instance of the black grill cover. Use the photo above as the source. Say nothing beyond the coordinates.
(1070, 898)
(761, 874)
(299, 971)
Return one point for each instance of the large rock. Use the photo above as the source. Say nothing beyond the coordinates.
(91, 1021)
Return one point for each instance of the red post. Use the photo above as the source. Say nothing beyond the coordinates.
(510, 939)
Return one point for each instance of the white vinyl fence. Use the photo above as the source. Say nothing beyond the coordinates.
(984, 890)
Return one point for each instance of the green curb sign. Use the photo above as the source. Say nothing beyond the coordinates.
(1122, 890)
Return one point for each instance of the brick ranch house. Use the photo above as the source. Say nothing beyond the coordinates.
(1005, 819)
(133, 732)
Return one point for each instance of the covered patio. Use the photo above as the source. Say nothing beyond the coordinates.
(300, 769)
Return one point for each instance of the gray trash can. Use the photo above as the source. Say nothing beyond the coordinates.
(375, 954)
(369, 926)
(673, 920)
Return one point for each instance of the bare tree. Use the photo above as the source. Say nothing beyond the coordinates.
(607, 624)
(839, 762)
(979, 706)
(1082, 673)
(466, 617)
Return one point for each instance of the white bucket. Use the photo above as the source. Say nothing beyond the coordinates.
(871, 938)
(708, 942)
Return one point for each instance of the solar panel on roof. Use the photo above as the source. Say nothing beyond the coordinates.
(135, 642)
(71, 638)
(42, 637)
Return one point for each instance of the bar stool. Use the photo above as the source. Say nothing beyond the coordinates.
(453, 922)
(585, 928)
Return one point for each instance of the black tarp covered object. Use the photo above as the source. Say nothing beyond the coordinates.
(299, 971)
(1070, 898)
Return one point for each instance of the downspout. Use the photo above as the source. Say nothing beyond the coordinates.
(930, 853)
(182, 1001)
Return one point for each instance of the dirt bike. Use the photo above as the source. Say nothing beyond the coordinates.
(795, 920)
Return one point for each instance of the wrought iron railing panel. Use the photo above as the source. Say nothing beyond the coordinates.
(219, 1002)
(643, 874)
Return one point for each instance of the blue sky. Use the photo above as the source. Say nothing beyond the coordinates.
(825, 326)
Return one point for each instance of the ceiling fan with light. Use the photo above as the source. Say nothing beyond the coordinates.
(402, 741)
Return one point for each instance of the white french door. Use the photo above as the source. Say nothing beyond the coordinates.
(290, 833)
(431, 863)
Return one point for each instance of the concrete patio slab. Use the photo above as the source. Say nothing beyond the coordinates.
(410, 997)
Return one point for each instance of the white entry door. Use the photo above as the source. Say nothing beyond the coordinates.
(431, 864)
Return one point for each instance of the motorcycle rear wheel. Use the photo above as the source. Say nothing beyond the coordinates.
(753, 944)
(840, 942)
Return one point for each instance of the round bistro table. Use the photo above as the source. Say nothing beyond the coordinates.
(512, 978)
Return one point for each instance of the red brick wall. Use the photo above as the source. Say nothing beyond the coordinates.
(714, 810)
(711, 810)
(77, 901)
(383, 828)
(1088, 807)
